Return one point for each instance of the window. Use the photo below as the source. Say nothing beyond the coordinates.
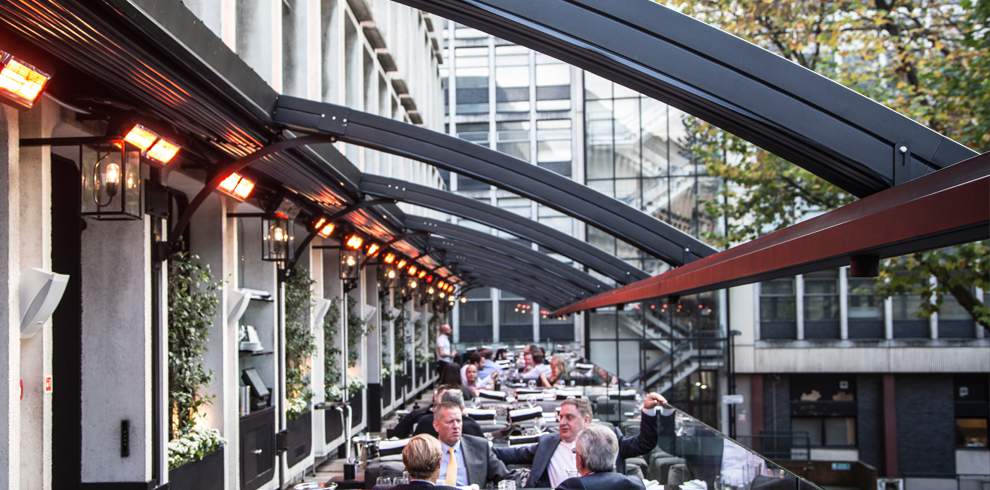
(553, 84)
(972, 410)
(953, 320)
(908, 322)
(827, 431)
(511, 79)
(778, 317)
(513, 139)
(824, 407)
(865, 309)
(475, 320)
(821, 305)
(471, 74)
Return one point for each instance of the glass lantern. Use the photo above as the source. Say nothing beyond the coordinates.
(276, 240)
(111, 181)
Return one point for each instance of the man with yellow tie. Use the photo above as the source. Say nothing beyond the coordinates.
(466, 459)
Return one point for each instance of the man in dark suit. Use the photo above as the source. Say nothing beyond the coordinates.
(552, 458)
(421, 457)
(466, 459)
(594, 452)
(420, 421)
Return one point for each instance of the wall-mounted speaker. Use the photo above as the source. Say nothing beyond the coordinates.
(40, 293)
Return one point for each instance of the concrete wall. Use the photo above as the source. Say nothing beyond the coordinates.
(10, 348)
(116, 349)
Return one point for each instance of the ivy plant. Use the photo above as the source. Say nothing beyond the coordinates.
(399, 327)
(299, 341)
(355, 329)
(331, 357)
(193, 298)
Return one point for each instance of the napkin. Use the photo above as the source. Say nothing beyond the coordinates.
(493, 395)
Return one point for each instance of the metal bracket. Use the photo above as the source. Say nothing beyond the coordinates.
(171, 246)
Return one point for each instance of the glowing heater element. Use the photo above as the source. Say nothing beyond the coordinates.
(373, 249)
(237, 186)
(402, 264)
(429, 279)
(389, 258)
(441, 285)
(422, 274)
(354, 242)
(412, 270)
(141, 137)
(20, 82)
(163, 151)
(324, 228)
(151, 144)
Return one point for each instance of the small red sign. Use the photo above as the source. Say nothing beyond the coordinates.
(48, 384)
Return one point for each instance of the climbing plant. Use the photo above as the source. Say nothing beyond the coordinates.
(388, 319)
(399, 331)
(299, 341)
(331, 358)
(355, 329)
(193, 298)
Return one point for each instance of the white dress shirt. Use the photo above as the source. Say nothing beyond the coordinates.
(563, 464)
(462, 478)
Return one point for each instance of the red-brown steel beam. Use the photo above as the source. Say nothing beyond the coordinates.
(947, 207)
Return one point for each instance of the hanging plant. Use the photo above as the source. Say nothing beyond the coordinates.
(355, 329)
(354, 388)
(421, 341)
(299, 341)
(387, 321)
(331, 358)
(193, 298)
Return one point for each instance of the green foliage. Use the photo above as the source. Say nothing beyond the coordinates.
(354, 387)
(331, 359)
(193, 297)
(399, 327)
(355, 329)
(299, 341)
(387, 324)
(928, 60)
(193, 445)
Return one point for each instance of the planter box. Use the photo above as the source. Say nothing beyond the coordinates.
(357, 409)
(205, 474)
(386, 391)
(333, 424)
(300, 438)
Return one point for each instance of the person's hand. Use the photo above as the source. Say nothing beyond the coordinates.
(652, 400)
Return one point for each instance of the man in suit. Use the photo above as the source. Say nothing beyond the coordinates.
(420, 420)
(552, 458)
(421, 457)
(452, 394)
(595, 451)
(466, 459)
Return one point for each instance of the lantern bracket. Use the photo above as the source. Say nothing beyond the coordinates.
(162, 249)
(333, 217)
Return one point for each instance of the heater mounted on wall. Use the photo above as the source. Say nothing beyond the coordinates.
(40, 293)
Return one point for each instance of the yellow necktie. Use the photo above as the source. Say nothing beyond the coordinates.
(451, 469)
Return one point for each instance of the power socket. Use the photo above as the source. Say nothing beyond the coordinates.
(125, 438)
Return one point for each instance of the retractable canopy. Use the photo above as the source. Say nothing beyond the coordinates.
(848, 139)
(506, 221)
(543, 186)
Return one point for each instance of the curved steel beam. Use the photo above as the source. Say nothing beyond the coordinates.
(482, 274)
(506, 221)
(468, 264)
(543, 186)
(463, 253)
(836, 133)
(507, 248)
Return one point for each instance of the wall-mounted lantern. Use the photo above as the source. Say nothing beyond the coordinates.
(350, 257)
(276, 239)
(111, 181)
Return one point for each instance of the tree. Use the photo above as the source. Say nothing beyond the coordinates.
(927, 59)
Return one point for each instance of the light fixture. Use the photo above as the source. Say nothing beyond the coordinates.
(402, 264)
(429, 291)
(441, 285)
(389, 258)
(237, 186)
(442, 294)
(390, 274)
(422, 274)
(373, 249)
(276, 239)
(152, 144)
(412, 270)
(429, 279)
(354, 242)
(111, 182)
(350, 264)
(20, 83)
(413, 284)
(463, 299)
